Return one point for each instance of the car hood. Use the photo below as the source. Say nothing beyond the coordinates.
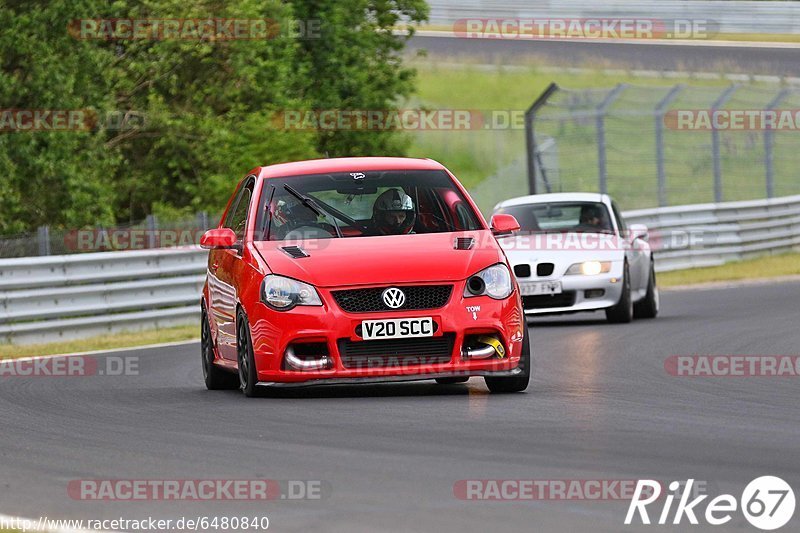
(383, 260)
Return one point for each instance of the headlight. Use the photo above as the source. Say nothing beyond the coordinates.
(284, 293)
(494, 282)
(589, 268)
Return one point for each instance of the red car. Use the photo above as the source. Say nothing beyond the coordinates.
(359, 270)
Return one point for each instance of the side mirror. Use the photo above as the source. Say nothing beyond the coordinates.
(218, 239)
(504, 225)
(638, 231)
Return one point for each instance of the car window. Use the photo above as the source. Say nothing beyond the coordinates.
(364, 204)
(237, 217)
(561, 217)
(623, 227)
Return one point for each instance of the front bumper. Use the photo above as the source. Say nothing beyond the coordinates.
(575, 297)
(329, 326)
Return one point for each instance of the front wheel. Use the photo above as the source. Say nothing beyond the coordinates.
(622, 313)
(248, 376)
(519, 382)
(651, 303)
(215, 378)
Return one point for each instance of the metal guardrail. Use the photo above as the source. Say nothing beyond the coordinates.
(732, 16)
(713, 234)
(46, 299)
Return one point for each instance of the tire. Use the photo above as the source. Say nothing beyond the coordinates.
(215, 377)
(518, 383)
(622, 313)
(649, 306)
(248, 376)
(452, 381)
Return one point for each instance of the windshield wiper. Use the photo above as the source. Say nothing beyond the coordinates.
(314, 206)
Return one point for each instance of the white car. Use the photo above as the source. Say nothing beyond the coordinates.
(574, 253)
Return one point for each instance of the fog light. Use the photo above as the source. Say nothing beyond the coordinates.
(594, 293)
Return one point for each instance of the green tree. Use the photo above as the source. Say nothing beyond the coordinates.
(356, 65)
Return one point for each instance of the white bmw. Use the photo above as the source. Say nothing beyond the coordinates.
(574, 253)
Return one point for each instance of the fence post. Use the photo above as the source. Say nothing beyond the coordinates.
(152, 224)
(721, 101)
(202, 220)
(43, 237)
(530, 139)
(601, 111)
(769, 140)
(661, 110)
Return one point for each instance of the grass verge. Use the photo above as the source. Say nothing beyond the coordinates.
(104, 342)
(761, 267)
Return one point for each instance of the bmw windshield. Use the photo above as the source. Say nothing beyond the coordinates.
(561, 217)
(362, 204)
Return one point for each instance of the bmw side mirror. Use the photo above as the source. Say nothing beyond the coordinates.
(638, 231)
(504, 225)
(218, 239)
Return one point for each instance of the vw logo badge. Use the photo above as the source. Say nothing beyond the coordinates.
(394, 298)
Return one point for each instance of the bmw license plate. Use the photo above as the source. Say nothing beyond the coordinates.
(536, 288)
(397, 328)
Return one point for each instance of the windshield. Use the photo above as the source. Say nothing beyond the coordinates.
(363, 204)
(587, 217)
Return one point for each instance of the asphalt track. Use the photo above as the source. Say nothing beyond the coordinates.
(601, 406)
(774, 60)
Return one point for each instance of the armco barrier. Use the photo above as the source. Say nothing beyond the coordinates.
(45, 299)
(712, 234)
(52, 298)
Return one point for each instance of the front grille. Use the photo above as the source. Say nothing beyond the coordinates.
(546, 301)
(396, 352)
(371, 300)
(522, 271)
(544, 269)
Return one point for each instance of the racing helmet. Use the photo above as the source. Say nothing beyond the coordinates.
(393, 212)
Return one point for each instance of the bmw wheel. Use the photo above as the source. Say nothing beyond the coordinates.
(622, 313)
(650, 304)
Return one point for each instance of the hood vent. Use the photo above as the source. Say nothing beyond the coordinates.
(295, 251)
(464, 243)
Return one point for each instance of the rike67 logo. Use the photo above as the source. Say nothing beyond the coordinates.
(767, 503)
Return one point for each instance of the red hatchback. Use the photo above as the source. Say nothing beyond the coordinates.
(359, 270)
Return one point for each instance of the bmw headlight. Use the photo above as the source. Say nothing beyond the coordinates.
(282, 293)
(589, 268)
(494, 282)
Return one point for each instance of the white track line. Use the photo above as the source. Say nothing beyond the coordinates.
(104, 352)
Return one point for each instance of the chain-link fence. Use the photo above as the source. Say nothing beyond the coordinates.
(147, 234)
(670, 145)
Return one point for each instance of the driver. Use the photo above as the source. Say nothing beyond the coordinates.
(592, 216)
(393, 213)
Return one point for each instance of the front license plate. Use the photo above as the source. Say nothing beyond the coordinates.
(397, 328)
(535, 288)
